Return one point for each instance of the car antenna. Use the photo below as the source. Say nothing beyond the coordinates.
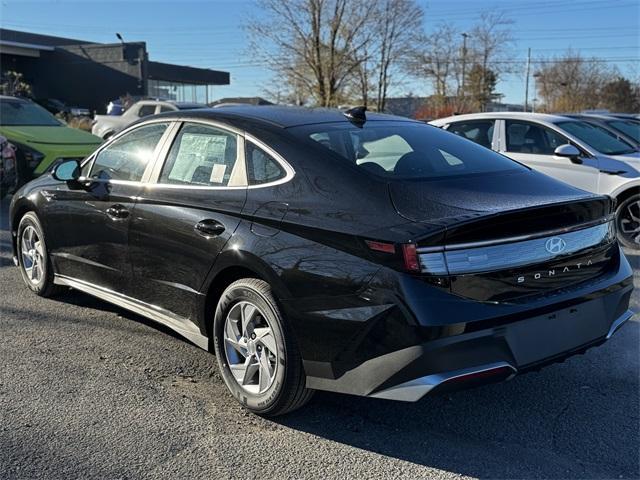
(356, 114)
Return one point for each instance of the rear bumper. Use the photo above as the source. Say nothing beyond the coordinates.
(405, 350)
(524, 347)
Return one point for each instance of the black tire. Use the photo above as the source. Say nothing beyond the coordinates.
(45, 286)
(625, 222)
(287, 391)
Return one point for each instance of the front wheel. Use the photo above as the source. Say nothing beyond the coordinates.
(628, 222)
(256, 353)
(33, 258)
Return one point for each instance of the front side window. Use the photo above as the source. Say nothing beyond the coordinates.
(22, 112)
(201, 156)
(478, 131)
(404, 150)
(597, 137)
(128, 156)
(525, 137)
(262, 167)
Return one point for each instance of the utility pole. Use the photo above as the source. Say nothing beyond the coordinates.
(526, 85)
(464, 60)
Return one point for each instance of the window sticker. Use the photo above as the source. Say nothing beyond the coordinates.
(217, 173)
(199, 150)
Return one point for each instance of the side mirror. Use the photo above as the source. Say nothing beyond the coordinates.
(568, 151)
(67, 171)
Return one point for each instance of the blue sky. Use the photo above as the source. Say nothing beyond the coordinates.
(209, 34)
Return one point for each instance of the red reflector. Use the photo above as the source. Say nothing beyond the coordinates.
(381, 246)
(411, 261)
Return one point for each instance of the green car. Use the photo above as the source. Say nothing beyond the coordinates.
(40, 138)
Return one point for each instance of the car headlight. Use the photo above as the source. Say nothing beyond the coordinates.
(31, 157)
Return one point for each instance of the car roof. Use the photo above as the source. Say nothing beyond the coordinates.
(541, 117)
(9, 97)
(278, 115)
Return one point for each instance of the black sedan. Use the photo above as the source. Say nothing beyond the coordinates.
(326, 250)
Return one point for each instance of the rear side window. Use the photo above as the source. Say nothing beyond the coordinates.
(201, 156)
(262, 167)
(525, 137)
(146, 110)
(478, 131)
(632, 129)
(128, 156)
(404, 149)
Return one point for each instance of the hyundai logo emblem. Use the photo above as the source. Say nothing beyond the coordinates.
(555, 245)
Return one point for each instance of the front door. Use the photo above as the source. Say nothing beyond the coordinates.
(181, 223)
(533, 144)
(88, 228)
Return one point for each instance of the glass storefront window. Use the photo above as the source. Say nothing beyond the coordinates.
(179, 92)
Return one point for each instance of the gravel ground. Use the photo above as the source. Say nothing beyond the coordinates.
(88, 390)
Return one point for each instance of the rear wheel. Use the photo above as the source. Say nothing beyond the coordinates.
(256, 353)
(628, 221)
(33, 258)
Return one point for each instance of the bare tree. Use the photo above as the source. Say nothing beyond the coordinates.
(398, 28)
(571, 83)
(491, 41)
(314, 43)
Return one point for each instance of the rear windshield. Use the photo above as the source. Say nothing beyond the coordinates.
(21, 112)
(405, 150)
(629, 127)
(597, 137)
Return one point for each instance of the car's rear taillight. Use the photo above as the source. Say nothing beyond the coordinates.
(410, 257)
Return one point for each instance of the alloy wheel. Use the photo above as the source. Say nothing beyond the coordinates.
(250, 347)
(629, 222)
(32, 255)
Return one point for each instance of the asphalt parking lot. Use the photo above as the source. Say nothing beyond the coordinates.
(88, 390)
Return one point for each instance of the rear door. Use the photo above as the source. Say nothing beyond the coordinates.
(186, 215)
(482, 132)
(534, 144)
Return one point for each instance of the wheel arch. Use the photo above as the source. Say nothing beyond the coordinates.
(232, 265)
(626, 192)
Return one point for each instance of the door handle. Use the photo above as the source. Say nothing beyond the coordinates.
(209, 228)
(117, 212)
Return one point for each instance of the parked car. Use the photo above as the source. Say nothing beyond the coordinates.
(582, 154)
(315, 250)
(626, 129)
(8, 173)
(104, 126)
(58, 107)
(40, 138)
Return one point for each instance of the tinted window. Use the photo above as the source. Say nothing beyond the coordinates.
(127, 157)
(21, 112)
(525, 137)
(404, 149)
(201, 155)
(164, 108)
(478, 131)
(262, 167)
(146, 110)
(597, 137)
(628, 127)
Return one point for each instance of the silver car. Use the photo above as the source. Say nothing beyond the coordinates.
(582, 154)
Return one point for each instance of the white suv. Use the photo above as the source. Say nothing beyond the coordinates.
(582, 154)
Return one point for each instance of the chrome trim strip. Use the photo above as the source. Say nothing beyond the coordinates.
(414, 390)
(617, 323)
(500, 256)
(178, 324)
(498, 241)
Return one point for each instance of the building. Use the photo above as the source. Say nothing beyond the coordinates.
(90, 74)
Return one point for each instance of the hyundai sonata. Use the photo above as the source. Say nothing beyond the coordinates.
(325, 250)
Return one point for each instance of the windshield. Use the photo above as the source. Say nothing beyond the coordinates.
(402, 150)
(22, 112)
(597, 137)
(628, 127)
